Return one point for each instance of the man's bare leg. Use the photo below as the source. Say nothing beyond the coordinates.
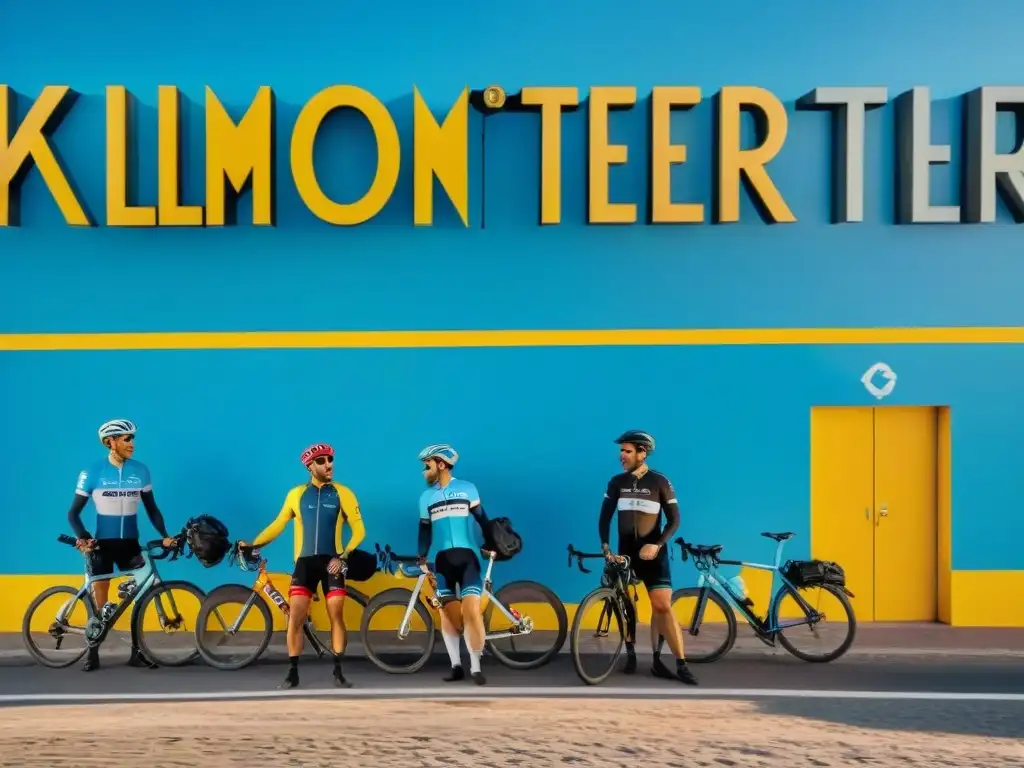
(474, 620)
(298, 609)
(451, 633)
(339, 637)
(661, 616)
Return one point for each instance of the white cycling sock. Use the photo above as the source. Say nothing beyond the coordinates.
(474, 661)
(451, 642)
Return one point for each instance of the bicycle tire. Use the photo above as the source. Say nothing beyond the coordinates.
(397, 596)
(563, 625)
(730, 621)
(850, 635)
(230, 593)
(139, 611)
(26, 625)
(601, 593)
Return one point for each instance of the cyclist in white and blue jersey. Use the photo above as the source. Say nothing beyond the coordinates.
(115, 485)
(447, 511)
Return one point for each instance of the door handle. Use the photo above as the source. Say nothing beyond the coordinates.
(883, 511)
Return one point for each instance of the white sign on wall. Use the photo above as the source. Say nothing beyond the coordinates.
(884, 375)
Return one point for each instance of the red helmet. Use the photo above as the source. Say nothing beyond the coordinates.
(314, 451)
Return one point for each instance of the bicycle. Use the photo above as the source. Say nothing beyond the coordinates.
(142, 586)
(616, 602)
(795, 575)
(417, 600)
(248, 559)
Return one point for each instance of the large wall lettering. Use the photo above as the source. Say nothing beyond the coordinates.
(240, 156)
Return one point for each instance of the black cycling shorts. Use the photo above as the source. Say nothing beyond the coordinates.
(459, 570)
(126, 554)
(311, 571)
(656, 573)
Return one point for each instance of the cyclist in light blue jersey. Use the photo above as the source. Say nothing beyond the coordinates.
(447, 511)
(115, 485)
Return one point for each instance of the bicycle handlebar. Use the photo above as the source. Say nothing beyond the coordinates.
(621, 560)
(149, 546)
(700, 554)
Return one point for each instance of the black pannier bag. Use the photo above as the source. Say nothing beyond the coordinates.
(361, 565)
(811, 573)
(501, 539)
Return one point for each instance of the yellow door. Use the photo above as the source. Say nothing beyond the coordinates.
(874, 506)
(842, 490)
(906, 519)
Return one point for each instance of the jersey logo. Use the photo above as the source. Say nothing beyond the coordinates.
(642, 491)
(119, 494)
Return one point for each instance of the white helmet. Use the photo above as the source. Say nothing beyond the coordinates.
(115, 428)
(441, 451)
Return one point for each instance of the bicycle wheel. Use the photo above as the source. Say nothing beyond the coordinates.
(230, 612)
(831, 601)
(163, 636)
(379, 632)
(594, 641)
(707, 637)
(45, 630)
(541, 614)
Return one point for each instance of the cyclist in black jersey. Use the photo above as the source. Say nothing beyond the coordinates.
(641, 495)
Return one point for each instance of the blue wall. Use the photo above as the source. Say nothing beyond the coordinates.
(222, 430)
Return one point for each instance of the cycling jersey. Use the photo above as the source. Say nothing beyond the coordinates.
(320, 511)
(640, 502)
(115, 493)
(445, 515)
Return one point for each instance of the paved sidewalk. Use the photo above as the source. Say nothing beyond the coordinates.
(903, 639)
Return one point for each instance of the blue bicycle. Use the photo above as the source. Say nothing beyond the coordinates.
(728, 596)
(79, 617)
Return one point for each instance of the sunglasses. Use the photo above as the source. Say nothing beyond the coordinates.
(126, 438)
(321, 460)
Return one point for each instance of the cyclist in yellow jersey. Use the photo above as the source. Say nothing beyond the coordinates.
(319, 509)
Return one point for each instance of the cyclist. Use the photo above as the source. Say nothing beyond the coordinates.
(319, 509)
(446, 508)
(115, 485)
(641, 495)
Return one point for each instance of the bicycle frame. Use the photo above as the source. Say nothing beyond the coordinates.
(146, 577)
(766, 627)
(422, 573)
(265, 585)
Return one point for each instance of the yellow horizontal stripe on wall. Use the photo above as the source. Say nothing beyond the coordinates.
(42, 342)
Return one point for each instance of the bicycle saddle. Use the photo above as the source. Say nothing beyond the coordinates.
(786, 536)
(700, 549)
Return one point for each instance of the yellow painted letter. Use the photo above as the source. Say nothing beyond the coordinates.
(241, 153)
(735, 163)
(602, 154)
(29, 146)
(389, 155)
(441, 150)
(119, 212)
(172, 212)
(551, 101)
(665, 154)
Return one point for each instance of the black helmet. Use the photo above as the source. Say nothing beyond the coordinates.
(207, 539)
(642, 440)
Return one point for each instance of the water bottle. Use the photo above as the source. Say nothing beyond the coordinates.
(108, 610)
(738, 588)
(126, 589)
